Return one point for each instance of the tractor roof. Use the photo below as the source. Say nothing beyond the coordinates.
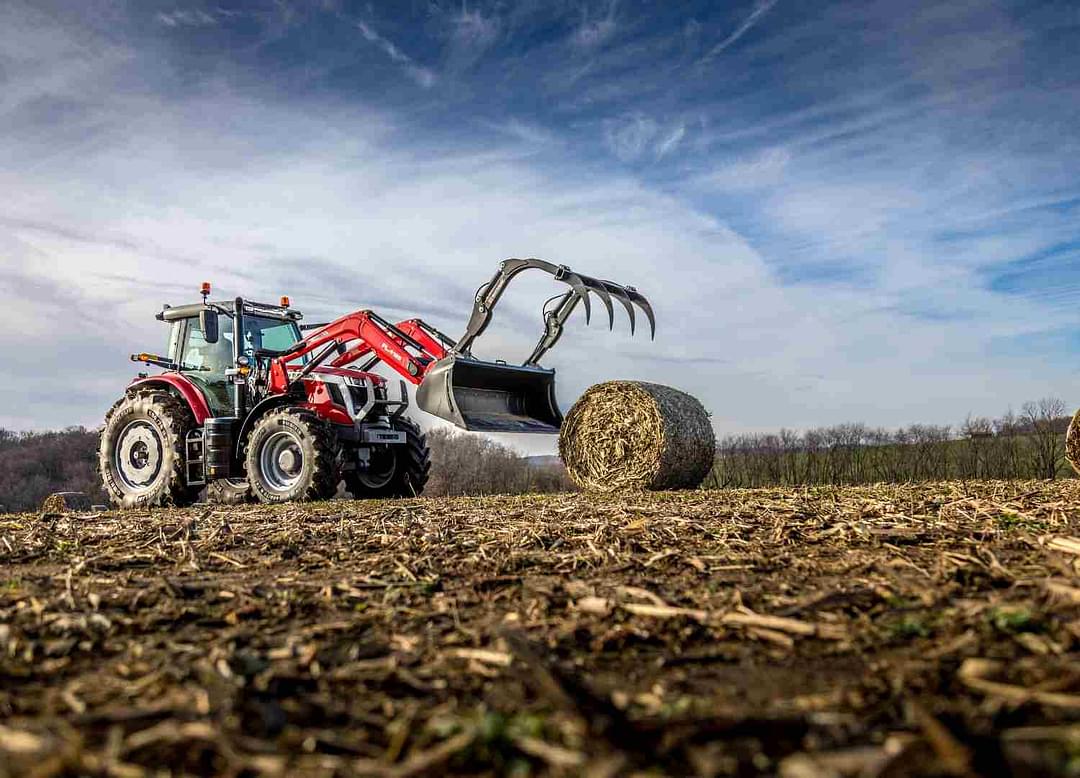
(251, 308)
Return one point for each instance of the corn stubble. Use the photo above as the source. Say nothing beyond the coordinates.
(633, 435)
(889, 630)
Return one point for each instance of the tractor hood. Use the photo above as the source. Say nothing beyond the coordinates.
(342, 372)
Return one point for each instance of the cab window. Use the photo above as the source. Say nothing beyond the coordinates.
(205, 363)
(269, 334)
(210, 359)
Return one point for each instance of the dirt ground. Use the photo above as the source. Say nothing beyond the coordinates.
(881, 631)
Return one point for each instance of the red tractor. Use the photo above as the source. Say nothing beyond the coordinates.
(252, 404)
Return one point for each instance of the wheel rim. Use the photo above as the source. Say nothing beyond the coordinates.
(281, 461)
(380, 471)
(138, 455)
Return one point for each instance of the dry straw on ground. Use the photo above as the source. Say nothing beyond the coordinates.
(915, 630)
(634, 435)
(1072, 443)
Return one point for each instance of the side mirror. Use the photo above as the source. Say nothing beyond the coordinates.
(208, 321)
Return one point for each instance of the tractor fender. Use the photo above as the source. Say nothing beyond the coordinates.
(184, 387)
(256, 413)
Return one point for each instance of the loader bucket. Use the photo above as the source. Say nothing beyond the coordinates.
(490, 396)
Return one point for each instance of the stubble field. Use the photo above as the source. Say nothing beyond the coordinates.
(879, 631)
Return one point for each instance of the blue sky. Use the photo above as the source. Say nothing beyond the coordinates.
(841, 211)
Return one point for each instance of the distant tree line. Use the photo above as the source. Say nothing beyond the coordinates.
(464, 463)
(35, 464)
(1026, 445)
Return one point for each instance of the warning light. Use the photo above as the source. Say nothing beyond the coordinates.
(284, 301)
(204, 290)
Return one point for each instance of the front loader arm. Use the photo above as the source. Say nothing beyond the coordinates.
(433, 342)
(408, 349)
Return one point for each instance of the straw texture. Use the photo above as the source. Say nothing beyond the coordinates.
(628, 435)
(1072, 442)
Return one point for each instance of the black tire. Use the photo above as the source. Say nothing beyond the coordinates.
(229, 491)
(403, 473)
(292, 455)
(141, 453)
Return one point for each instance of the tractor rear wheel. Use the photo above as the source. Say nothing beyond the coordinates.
(394, 471)
(141, 453)
(229, 491)
(293, 455)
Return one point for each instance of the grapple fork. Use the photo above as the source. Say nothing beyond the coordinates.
(497, 397)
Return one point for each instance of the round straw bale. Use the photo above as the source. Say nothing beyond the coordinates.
(636, 435)
(66, 502)
(1072, 442)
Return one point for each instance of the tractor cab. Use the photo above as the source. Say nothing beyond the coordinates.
(210, 362)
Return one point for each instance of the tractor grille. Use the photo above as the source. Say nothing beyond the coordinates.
(359, 395)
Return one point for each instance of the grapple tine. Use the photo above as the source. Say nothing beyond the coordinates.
(620, 294)
(578, 285)
(598, 286)
(554, 318)
(643, 304)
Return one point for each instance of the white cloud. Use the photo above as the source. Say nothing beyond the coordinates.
(764, 169)
(629, 136)
(372, 224)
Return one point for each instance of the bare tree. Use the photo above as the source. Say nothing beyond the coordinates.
(1047, 445)
(976, 437)
(1030, 445)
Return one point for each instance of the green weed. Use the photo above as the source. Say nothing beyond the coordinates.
(1011, 620)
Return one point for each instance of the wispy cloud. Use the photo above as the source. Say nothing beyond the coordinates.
(422, 75)
(761, 7)
(670, 141)
(526, 132)
(628, 137)
(763, 169)
(471, 33)
(594, 32)
(182, 17)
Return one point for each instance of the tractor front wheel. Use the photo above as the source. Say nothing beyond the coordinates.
(141, 454)
(394, 471)
(292, 455)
